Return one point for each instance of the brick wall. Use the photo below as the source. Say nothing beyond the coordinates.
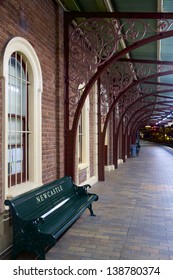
(38, 22)
(60, 90)
(82, 175)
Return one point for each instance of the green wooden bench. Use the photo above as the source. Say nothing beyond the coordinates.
(42, 215)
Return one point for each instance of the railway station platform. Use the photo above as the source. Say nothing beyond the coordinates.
(134, 213)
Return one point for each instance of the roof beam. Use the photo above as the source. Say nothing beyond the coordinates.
(157, 83)
(147, 61)
(137, 15)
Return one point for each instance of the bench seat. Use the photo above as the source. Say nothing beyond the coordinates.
(42, 215)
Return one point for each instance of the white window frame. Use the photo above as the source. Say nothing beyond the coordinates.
(19, 44)
(85, 136)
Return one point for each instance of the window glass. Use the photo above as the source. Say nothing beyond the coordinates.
(17, 120)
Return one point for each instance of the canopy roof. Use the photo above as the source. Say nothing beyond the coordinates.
(135, 21)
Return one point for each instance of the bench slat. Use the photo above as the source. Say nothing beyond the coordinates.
(54, 208)
(55, 221)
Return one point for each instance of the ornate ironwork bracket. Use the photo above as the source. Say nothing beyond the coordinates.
(91, 53)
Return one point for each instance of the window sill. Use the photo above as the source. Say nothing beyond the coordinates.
(83, 166)
(21, 188)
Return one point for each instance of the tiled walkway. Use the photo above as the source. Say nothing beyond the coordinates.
(134, 213)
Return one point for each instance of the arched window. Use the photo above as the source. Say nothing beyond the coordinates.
(22, 118)
(18, 120)
(83, 136)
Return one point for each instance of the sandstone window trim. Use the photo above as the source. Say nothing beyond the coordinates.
(22, 46)
(83, 137)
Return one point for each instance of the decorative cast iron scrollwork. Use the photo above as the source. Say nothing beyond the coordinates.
(94, 41)
(144, 70)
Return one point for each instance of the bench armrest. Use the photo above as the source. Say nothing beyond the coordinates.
(16, 215)
(31, 224)
(81, 190)
(36, 221)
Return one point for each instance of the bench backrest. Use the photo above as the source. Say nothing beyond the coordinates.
(36, 202)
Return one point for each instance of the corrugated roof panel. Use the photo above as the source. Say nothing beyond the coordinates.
(70, 5)
(118, 5)
(168, 6)
(83, 5)
(146, 52)
(92, 6)
(135, 5)
(167, 49)
(167, 45)
(167, 79)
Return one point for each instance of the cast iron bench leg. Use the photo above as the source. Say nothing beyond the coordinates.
(91, 210)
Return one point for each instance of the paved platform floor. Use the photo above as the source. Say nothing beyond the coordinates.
(134, 213)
